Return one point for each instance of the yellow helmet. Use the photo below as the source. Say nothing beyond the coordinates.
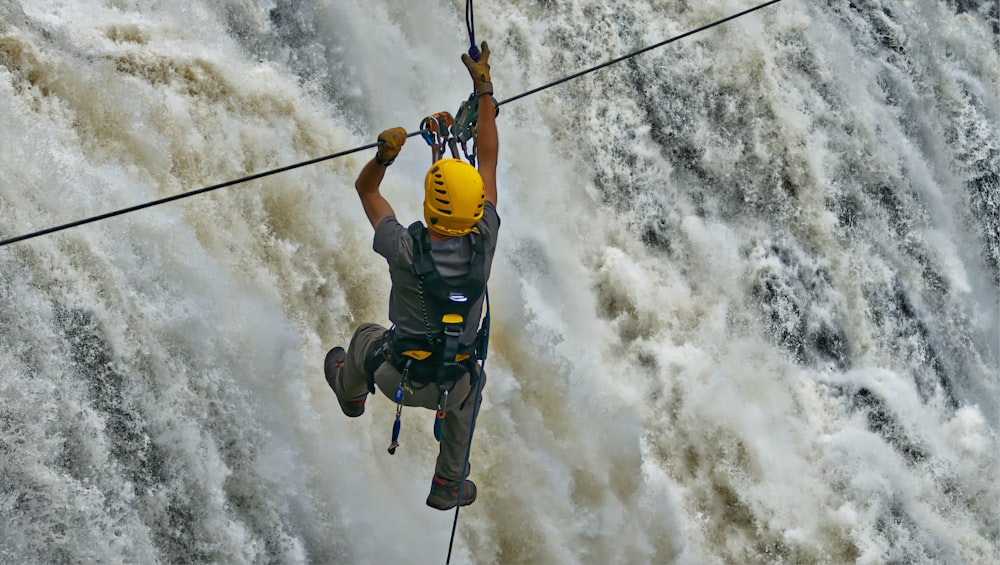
(453, 197)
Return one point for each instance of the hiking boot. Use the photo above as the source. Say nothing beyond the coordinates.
(332, 368)
(444, 493)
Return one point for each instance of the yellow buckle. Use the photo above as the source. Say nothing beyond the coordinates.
(417, 354)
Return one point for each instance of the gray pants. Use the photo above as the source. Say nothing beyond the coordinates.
(458, 412)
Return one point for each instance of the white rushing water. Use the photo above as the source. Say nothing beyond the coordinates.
(745, 300)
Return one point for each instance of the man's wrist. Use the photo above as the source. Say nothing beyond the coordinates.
(485, 87)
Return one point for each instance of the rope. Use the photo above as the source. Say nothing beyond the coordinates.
(256, 176)
(470, 23)
(472, 425)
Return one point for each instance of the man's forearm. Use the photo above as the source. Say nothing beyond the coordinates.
(369, 179)
(376, 207)
(487, 146)
(486, 131)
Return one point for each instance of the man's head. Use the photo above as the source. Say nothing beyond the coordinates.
(453, 197)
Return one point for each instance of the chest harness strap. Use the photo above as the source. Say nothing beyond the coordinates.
(439, 358)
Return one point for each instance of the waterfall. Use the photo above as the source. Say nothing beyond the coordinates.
(746, 298)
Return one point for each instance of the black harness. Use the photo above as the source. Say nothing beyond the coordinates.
(440, 357)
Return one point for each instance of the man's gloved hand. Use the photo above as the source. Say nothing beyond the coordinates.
(480, 70)
(390, 142)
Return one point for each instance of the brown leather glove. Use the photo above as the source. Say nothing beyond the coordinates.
(480, 70)
(390, 142)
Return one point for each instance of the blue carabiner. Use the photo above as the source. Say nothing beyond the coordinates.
(438, 422)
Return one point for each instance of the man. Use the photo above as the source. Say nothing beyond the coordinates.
(439, 271)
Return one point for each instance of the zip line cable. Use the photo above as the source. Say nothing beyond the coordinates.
(189, 194)
(635, 53)
(256, 176)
